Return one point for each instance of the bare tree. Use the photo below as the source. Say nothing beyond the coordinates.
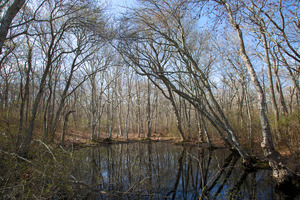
(169, 28)
(280, 170)
(24, 97)
(59, 19)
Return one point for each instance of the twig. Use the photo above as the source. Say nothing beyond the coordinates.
(16, 155)
(116, 193)
(127, 191)
(138, 194)
(47, 148)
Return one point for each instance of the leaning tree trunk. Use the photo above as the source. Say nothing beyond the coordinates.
(26, 143)
(201, 120)
(177, 115)
(280, 171)
(62, 101)
(270, 77)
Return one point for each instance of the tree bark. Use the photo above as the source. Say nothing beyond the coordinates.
(26, 143)
(25, 97)
(270, 77)
(93, 109)
(7, 20)
(149, 120)
(138, 99)
(64, 132)
(280, 171)
(129, 87)
(63, 98)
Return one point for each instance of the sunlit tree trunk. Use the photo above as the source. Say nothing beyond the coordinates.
(111, 117)
(120, 100)
(93, 106)
(270, 75)
(280, 171)
(249, 116)
(149, 117)
(174, 34)
(129, 96)
(138, 99)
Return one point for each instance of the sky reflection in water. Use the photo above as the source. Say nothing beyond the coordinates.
(167, 171)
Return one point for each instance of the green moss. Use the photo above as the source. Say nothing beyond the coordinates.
(181, 141)
(261, 165)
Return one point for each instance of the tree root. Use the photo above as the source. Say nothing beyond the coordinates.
(287, 182)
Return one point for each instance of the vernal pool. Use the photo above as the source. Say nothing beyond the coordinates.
(160, 170)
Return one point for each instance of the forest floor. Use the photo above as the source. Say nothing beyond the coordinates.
(80, 138)
(75, 137)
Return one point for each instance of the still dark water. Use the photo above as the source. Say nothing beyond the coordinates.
(167, 171)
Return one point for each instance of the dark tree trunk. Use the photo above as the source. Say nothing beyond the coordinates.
(24, 98)
(64, 131)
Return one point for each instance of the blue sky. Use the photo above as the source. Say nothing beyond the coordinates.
(118, 4)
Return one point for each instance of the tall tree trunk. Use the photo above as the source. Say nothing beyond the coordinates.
(138, 99)
(294, 77)
(249, 121)
(149, 120)
(120, 114)
(129, 77)
(281, 97)
(63, 98)
(47, 112)
(270, 77)
(187, 114)
(93, 109)
(127, 120)
(203, 129)
(26, 143)
(200, 129)
(64, 131)
(101, 107)
(111, 123)
(178, 118)
(175, 107)
(25, 97)
(280, 171)
(241, 105)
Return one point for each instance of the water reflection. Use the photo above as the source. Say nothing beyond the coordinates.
(166, 171)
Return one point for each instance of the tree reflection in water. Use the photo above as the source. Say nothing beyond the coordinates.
(166, 171)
